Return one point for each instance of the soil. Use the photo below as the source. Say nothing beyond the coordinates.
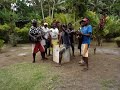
(103, 73)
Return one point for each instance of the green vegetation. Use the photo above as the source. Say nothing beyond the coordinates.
(26, 76)
(108, 84)
(14, 39)
(117, 39)
(1, 44)
(64, 11)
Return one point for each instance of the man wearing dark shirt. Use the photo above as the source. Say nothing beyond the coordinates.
(64, 37)
(71, 36)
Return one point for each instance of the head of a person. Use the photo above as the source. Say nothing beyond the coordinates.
(84, 22)
(70, 27)
(58, 24)
(69, 24)
(34, 23)
(45, 25)
(81, 23)
(64, 27)
(54, 25)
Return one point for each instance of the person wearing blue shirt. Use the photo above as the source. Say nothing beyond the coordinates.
(86, 32)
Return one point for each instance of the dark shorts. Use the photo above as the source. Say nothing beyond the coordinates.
(48, 44)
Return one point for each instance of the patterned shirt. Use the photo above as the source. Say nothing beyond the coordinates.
(34, 31)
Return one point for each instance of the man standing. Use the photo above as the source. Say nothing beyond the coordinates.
(79, 36)
(86, 32)
(35, 36)
(65, 39)
(47, 38)
(71, 36)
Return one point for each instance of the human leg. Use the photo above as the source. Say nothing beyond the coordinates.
(35, 50)
(85, 55)
(72, 46)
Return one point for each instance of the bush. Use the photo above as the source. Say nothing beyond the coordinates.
(23, 33)
(112, 27)
(49, 20)
(1, 44)
(4, 32)
(14, 39)
(64, 18)
(118, 41)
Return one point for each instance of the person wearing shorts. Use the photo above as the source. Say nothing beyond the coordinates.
(86, 32)
(71, 36)
(35, 36)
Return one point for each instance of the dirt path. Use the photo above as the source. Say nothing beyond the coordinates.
(104, 73)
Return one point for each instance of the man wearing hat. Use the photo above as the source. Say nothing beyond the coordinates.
(86, 32)
(47, 38)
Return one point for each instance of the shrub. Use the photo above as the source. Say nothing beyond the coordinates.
(61, 17)
(49, 20)
(117, 39)
(112, 27)
(23, 33)
(14, 38)
(1, 44)
(28, 25)
(4, 32)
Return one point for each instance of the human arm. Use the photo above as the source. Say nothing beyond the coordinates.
(31, 36)
(88, 33)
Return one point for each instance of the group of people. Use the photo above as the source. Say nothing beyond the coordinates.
(44, 38)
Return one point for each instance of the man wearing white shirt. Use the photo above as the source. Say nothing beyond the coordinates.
(47, 37)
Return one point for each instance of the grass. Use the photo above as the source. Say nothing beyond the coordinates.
(108, 84)
(27, 76)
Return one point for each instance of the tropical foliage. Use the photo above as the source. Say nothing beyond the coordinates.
(1, 44)
(64, 11)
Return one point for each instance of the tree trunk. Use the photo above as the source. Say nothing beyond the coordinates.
(53, 8)
(42, 10)
(49, 9)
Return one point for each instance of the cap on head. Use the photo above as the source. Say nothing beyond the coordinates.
(85, 21)
(45, 23)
